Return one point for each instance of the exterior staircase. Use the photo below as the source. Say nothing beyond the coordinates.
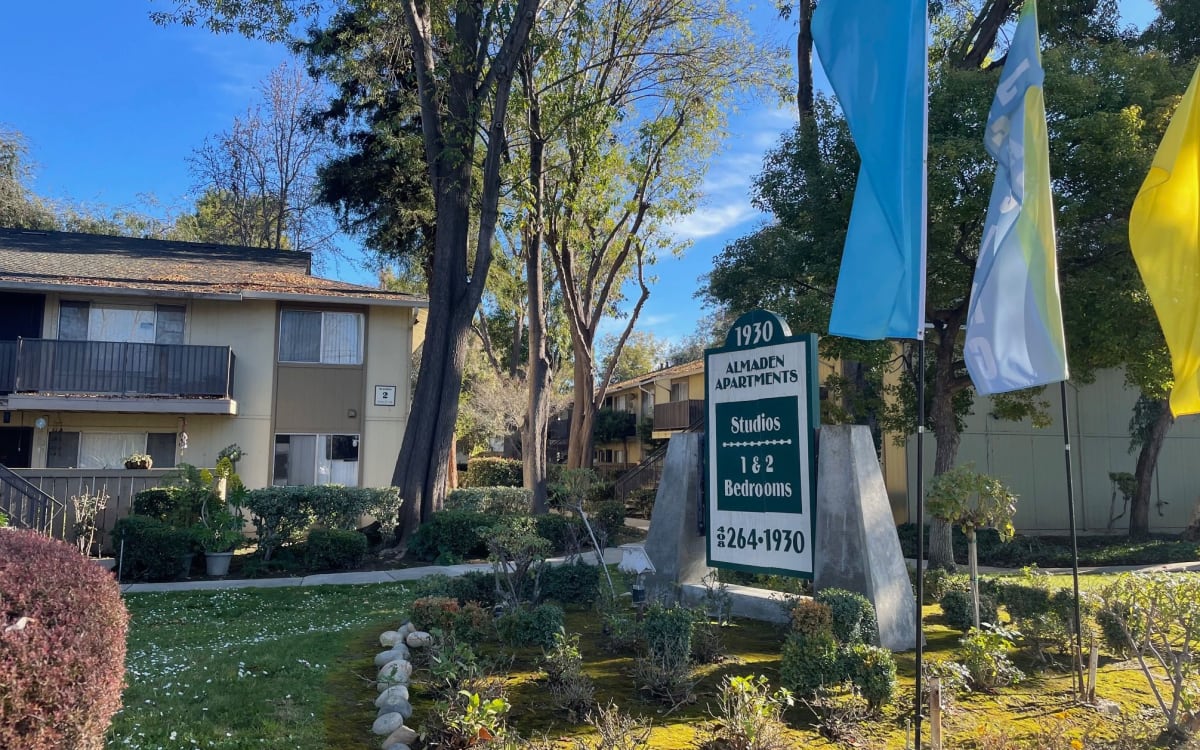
(27, 507)
(649, 472)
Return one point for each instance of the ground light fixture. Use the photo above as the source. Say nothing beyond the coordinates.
(635, 560)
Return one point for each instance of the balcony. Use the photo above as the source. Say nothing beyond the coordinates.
(678, 415)
(93, 376)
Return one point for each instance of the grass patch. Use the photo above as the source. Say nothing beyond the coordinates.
(254, 668)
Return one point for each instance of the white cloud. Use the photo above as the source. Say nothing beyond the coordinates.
(711, 220)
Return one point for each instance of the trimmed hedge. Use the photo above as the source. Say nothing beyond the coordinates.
(853, 616)
(153, 549)
(62, 671)
(530, 627)
(334, 549)
(174, 506)
(452, 536)
(490, 500)
(493, 472)
(281, 515)
(577, 583)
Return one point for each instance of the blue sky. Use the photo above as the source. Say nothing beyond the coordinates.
(112, 105)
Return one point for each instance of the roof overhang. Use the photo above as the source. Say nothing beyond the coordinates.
(114, 291)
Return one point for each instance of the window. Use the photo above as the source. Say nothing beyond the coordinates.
(679, 391)
(107, 450)
(329, 338)
(316, 459)
(82, 321)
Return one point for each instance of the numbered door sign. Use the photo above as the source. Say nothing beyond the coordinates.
(762, 407)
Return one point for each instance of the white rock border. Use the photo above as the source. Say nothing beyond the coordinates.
(395, 670)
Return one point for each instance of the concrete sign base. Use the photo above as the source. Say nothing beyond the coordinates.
(673, 544)
(857, 547)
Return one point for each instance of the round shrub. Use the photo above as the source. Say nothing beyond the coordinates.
(873, 671)
(334, 549)
(668, 631)
(640, 502)
(493, 472)
(577, 583)
(452, 535)
(810, 618)
(609, 516)
(434, 612)
(809, 663)
(530, 627)
(153, 550)
(959, 612)
(62, 636)
(853, 616)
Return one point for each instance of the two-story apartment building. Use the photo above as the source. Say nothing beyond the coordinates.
(112, 346)
(672, 398)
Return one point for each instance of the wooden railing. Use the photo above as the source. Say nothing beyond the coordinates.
(121, 485)
(8, 365)
(28, 507)
(116, 367)
(678, 415)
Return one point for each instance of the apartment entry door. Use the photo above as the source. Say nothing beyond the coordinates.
(16, 447)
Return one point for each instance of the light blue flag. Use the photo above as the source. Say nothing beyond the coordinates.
(1014, 325)
(874, 54)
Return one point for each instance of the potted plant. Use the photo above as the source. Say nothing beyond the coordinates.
(139, 461)
(219, 533)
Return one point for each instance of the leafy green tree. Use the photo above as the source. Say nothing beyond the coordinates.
(19, 207)
(643, 352)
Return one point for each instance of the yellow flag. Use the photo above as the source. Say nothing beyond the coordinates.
(1164, 233)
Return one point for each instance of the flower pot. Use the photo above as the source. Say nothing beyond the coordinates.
(185, 565)
(139, 465)
(217, 563)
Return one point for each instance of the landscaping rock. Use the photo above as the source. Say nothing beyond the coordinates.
(402, 736)
(400, 706)
(418, 639)
(388, 724)
(406, 628)
(391, 655)
(392, 694)
(396, 672)
(390, 638)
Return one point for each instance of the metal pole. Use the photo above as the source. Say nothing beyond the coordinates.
(1077, 671)
(917, 703)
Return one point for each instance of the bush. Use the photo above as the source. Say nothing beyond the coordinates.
(749, 716)
(476, 586)
(493, 472)
(447, 615)
(576, 583)
(853, 617)
(873, 671)
(334, 549)
(281, 515)
(564, 533)
(452, 536)
(522, 626)
(640, 502)
(811, 618)
(171, 505)
(985, 655)
(153, 550)
(809, 663)
(490, 500)
(668, 631)
(959, 611)
(62, 668)
(609, 517)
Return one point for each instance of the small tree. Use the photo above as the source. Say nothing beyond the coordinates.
(973, 501)
(1159, 617)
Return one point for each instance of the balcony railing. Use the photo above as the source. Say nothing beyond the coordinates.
(115, 368)
(678, 415)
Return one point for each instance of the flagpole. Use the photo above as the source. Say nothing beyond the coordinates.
(917, 704)
(1077, 671)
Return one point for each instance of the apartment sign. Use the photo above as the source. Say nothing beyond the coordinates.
(761, 398)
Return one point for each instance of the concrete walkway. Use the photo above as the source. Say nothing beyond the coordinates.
(1176, 567)
(611, 557)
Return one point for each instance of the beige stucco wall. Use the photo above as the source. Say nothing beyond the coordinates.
(388, 361)
(1030, 459)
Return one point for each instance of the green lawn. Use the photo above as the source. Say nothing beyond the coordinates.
(254, 668)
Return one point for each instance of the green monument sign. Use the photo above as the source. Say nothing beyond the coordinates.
(761, 393)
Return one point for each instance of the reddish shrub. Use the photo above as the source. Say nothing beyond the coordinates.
(430, 612)
(62, 645)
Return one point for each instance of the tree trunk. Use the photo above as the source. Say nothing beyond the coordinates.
(945, 430)
(583, 411)
(804, 70)
(1139, 509)
(537, 417)
(452, 465)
